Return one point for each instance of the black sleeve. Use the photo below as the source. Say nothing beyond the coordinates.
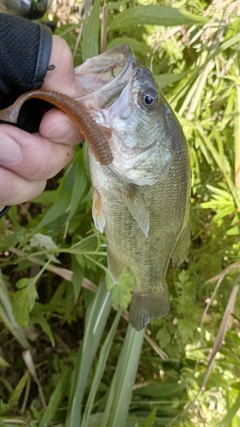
(25, 49)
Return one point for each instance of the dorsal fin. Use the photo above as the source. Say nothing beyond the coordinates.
(181, 250)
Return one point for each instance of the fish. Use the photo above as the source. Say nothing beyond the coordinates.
(141, 199)
(140, 172)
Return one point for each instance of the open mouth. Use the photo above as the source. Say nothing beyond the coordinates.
(103, 77)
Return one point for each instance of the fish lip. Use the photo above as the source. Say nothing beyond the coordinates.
(94, 68)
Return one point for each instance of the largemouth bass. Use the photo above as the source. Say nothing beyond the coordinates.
(141, 199)
(140, 172)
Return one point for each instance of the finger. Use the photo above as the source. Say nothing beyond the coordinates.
(31, 156)
(62, 77)
(16, 189)
(57, 127)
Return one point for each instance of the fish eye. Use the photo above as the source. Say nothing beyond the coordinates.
(149, 99)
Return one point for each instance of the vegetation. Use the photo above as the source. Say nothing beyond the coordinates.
(67, 358)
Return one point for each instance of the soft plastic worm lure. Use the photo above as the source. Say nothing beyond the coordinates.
(76, 111)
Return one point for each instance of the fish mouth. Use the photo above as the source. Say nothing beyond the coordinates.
(101, 79)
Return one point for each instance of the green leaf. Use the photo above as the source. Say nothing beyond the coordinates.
(186, 329)
(56, 399)
(117, 4)
(227, 420)
(122, 292)
(78, 273)
(96, 318)
(3, 363)
(234, 231)
(151, 418)
(39, 319)
(155, 15)
(79, 185)
(136, 45)
(6, 315)
(42, 241)
(224, 211)
(18, 390)
(164, 80)
(121, 387)
(58, 209)
(23, 301)
(222, 193)
(46, 197)
(159, 390)
(91, 33)
(11, 240)
(101, 365)
(4, 409)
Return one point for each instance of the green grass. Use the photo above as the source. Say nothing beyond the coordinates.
(82, 364)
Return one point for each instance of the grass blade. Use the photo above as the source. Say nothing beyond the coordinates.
(56, 399)
(96, 318)
(227, 420)
(121, 388)
(79, 184)
(91, 33)
(155, 15)
(14, 399)
(6, 314)
(102, 360)
(224, 46)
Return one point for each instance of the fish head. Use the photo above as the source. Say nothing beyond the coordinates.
(133, 114)
(140, 123)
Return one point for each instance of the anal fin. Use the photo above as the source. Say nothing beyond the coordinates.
(137, 206)
(181, 250)
(146, 307)
(115, 266)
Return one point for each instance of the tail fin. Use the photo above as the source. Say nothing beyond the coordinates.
(145, 307)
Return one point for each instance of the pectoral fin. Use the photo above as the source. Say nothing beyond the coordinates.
(137, 206)
(181, 250)
(115, 266)
(97, 212)
(145, 307)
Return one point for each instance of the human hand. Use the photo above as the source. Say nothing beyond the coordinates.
(28, 160)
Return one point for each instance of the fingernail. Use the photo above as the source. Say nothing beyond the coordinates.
(61, 132)
(10, 151)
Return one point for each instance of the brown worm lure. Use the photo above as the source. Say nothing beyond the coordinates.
(76, 111)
